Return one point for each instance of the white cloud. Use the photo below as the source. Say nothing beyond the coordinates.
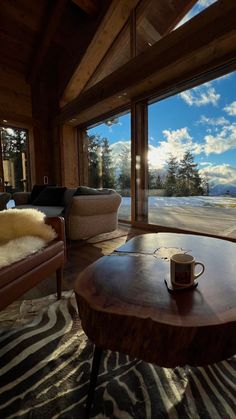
(205, 3)
(224, 140)
(176, 143)
(220, 174)
(205, 163)
(213, 121)
(200, 96)
(231, 109)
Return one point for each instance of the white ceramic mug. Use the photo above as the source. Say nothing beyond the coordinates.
(182, 270)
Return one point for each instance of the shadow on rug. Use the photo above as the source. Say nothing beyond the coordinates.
(45, 361)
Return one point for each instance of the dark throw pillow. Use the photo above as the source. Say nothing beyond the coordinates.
(85, 190)
(37, 189)
(51, 196)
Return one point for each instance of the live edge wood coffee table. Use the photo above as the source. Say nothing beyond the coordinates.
(125, 306)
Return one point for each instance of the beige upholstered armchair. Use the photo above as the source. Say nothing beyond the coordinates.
(85, 215)
(89, 215)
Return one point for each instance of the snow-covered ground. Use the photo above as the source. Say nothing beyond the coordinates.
(173, 201)
(191, 201)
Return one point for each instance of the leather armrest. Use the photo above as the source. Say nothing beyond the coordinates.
(21, 198)
(58, 224)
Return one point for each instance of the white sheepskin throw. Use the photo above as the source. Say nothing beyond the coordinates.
(16, 223)
(19, 248)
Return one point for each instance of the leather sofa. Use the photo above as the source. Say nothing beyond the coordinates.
(85, 215)
(17, 278)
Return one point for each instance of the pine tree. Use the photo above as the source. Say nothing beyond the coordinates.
(13, 142)
(124, 176)
(93, 161)
(108, 176)
(159, 182)
(171, 176)
(188, 178)
(101, 170)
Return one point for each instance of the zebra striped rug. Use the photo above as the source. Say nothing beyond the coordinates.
(45, 361)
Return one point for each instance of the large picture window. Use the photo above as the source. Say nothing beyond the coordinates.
(192, 159)
(109, 158)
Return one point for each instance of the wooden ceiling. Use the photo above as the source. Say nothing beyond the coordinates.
(201, 49)
(124, 33)
(38, 37)
(103, 51)
(51, 36)
(153, 20)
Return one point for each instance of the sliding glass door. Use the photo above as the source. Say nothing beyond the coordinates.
(14, 163)
(108, 146)
(192, 159)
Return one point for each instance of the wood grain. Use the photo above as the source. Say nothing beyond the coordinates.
(205, 43)
(113, 21)
(124, 304)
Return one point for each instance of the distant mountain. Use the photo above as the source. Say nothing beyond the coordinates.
(222, 190)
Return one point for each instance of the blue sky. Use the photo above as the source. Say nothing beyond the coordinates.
(202, 119)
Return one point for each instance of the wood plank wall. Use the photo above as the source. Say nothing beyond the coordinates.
(15, 96)
(69, 157)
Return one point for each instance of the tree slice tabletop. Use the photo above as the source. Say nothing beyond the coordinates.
(125, 306)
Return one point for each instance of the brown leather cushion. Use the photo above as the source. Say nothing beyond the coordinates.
(17, 269)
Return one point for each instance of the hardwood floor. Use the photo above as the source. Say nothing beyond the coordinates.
(81, 254)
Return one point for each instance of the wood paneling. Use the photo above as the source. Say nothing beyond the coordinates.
(27, 13)
(15, 95)
(203, 44)
(83, 157)
(69, 157)
(20, 22)
(47, 38)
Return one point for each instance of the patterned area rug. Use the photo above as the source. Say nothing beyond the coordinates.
(45, 361)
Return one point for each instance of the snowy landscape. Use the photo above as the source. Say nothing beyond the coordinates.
(190, 201)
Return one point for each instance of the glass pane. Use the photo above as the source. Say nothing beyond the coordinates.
(14, 159)
(109, 158)
(192, 159)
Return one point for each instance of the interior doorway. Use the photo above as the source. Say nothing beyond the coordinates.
(14, 159)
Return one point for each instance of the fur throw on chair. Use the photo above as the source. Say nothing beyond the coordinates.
(19, 248)
(16, 223)
(22, 232)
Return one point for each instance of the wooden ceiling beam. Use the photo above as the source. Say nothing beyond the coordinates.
(142, 33)
(207, 40)
(112, 23)
(150, 33)
(47, 37)
(88, 6)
